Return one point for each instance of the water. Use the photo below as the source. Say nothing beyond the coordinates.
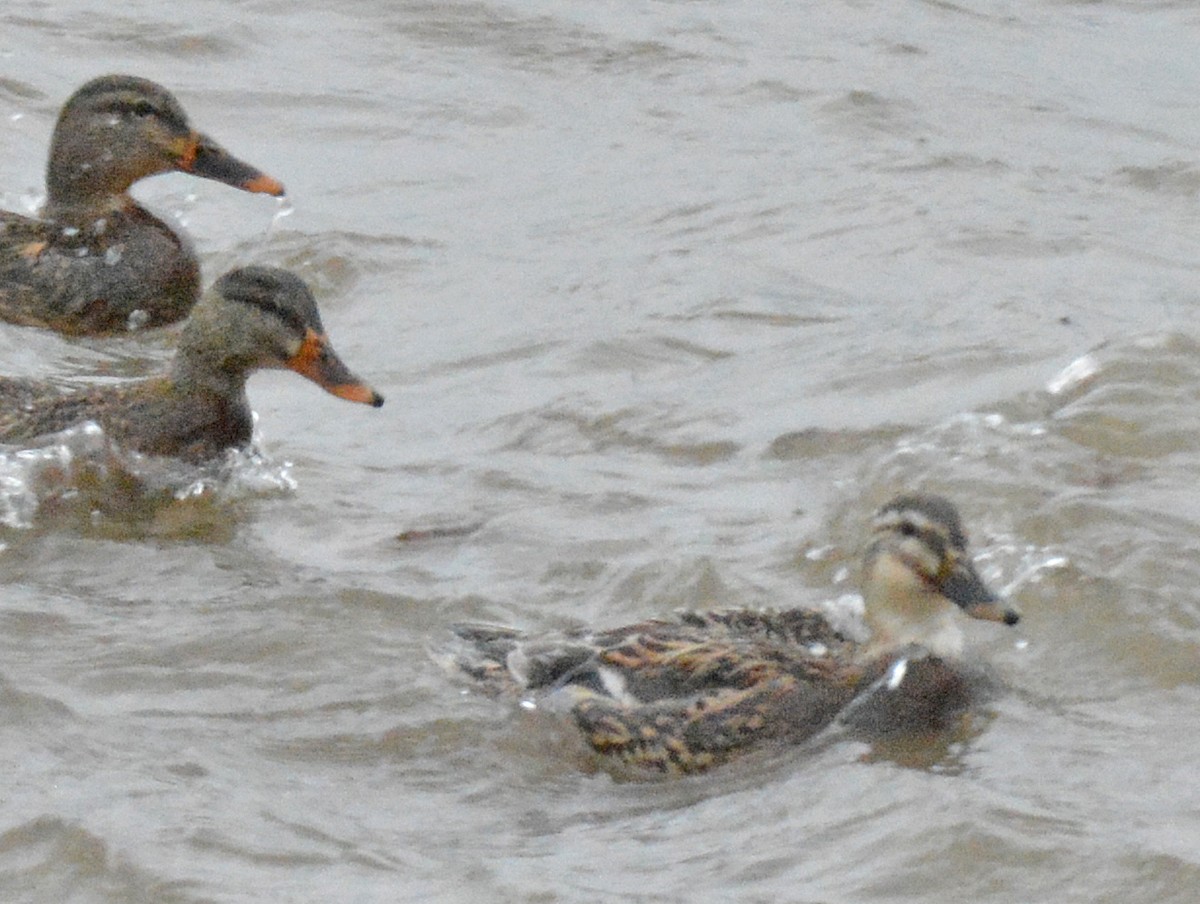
(665, 298)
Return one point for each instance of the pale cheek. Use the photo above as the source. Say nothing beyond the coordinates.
(891, 572)
(909, 596)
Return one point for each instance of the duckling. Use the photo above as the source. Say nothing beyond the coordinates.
(681, 695)
(96, 261)
(255, 317)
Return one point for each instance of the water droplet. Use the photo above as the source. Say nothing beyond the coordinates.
(32, 203)
(284, 208)
(897, 673)
(1074, 375)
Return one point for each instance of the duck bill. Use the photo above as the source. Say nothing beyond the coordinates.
(964, 587)
(317, 361)
(201, 156)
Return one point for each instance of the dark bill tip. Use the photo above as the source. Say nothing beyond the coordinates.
(991, 610)
(356, 392)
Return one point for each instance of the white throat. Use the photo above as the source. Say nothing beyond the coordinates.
(938, 633)
(901, 609)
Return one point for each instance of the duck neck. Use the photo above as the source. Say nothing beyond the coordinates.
(899, 619)
(81, 184)
(201, 366)
(82, 209)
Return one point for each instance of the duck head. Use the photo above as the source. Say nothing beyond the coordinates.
(117, 129)
(917, 573)
(262, 317)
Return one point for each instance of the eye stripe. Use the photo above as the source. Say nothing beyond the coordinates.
(925, 544)
(275, 292)
(932, 513)
(142, 108)
(914, 524)
(128, 95)
(267, 304)
(134, 107)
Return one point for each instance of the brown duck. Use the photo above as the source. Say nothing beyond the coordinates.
(254, 318)
(684, 694)
(96, 261)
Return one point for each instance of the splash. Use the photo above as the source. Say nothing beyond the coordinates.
(80, 476)
(243, 472)
(283, 208)
(32, 203)
(18, 495)
(846, 615)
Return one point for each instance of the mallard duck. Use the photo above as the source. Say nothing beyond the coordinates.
(683, 694)
(255, 317)
(96, 261)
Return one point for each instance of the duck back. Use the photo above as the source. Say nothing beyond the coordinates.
(124, 270)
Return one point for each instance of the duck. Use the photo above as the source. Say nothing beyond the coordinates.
(685, 693)
(95, 261)
(255, 317)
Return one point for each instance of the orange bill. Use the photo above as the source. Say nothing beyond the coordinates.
(317, 361)
(201, 156)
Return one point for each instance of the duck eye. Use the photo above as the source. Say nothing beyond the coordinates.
(139, 108)
(908, 529)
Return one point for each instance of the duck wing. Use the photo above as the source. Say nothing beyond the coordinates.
(798, 626)
(147, 416)
(505, 660)
(30, 409)
(92, 279)
(41, 264)
(727, 699)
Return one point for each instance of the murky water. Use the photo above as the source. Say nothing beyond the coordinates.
(665, 298)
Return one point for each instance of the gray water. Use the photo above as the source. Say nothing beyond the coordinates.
(665, 298)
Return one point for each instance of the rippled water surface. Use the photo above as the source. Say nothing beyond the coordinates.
(665, 298)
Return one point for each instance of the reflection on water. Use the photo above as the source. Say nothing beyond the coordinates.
(669, 298)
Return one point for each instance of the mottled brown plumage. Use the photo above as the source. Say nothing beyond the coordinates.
(95, 261)
(684, 694)
(254, 318)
